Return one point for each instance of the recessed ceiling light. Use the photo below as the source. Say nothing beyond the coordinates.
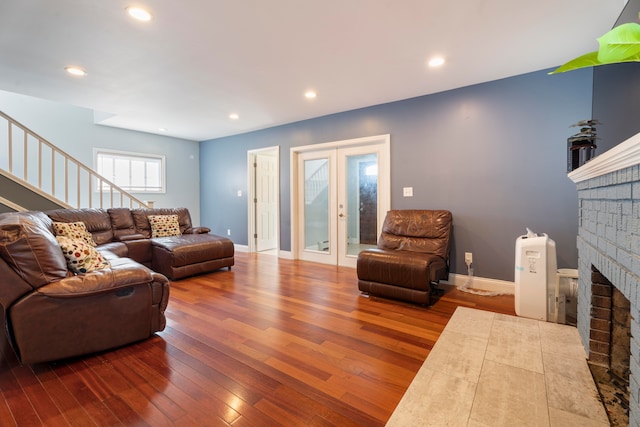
(310, 94)
(234, 116)
(76, 71)
(139, 13)
(436, 61)
(163, 129)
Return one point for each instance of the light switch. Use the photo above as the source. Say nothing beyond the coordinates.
(407, 191)
(239, 193)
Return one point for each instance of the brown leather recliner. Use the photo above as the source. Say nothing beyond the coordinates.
(52, 314)
(411, 258)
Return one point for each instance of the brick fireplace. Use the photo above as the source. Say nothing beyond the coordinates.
(609, 247)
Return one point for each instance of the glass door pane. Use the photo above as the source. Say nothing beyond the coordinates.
(362, 202)
(316, 205)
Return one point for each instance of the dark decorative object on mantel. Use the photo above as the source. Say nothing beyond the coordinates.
(581, 147)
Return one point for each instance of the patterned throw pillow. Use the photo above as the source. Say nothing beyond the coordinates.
(73, 230)
(81, 257)
(164, 225)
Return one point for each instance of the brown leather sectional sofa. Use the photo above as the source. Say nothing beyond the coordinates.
(51, 313)
(126, 233)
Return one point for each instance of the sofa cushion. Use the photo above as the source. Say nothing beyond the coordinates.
(426, 231)
(189, 249)
(122, 222)
(412, 270)
(97, 221)
(73, 230)
(30, 248)
(117, 249)
(164, 225)
(80, 256)
(122, 272)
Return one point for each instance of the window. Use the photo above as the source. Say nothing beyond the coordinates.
(133, 172)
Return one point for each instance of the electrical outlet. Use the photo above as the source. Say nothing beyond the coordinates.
(468, 258)
(228, 232)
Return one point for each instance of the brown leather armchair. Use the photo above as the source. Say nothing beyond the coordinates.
(411, 258)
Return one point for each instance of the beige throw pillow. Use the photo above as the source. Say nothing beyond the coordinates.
(164, 225)
(81, 257)
(73, 230)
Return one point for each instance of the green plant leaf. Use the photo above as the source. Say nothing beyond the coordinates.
(620, 43)
(588, 60)
(634, 58)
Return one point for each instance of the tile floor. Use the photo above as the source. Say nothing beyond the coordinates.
(490, 369)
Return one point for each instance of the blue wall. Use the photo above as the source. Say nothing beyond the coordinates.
(494, 154)
(616, 103)
(616, 94)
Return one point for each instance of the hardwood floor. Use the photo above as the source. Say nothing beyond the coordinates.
(271, 342)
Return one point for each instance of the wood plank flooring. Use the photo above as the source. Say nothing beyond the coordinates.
(270, 343)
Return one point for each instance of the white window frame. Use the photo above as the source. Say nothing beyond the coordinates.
(129, 155)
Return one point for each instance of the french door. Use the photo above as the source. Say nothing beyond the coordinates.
(341, 197)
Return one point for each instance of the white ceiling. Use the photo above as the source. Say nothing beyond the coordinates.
(198, 61)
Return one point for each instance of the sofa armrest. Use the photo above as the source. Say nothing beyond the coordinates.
(198, 230)
(88, 313)
(99, 281)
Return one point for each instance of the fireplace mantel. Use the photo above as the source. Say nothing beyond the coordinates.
(623, 155)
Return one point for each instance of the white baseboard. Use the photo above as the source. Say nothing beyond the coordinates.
(483, 283)
(281, 253)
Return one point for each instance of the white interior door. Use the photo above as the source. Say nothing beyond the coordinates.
(341, 195)
(266, 202)
(263, 199)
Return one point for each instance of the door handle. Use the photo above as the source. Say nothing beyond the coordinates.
(342, 215)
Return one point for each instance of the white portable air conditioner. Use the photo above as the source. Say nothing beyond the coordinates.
(536, 267)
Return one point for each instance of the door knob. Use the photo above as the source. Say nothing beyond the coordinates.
(341, 215)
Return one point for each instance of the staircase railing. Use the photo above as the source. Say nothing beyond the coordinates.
(316, 183)
(16, 207)
(34, 160)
